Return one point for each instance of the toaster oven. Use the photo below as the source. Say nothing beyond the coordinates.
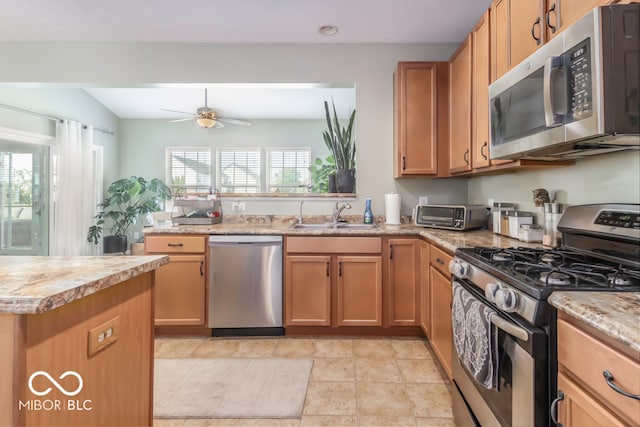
(451, 217)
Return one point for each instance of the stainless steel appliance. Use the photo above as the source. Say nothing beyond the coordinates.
(577, 95)
(196, 211)
(601, 252)
(245, 285)
(451, 217)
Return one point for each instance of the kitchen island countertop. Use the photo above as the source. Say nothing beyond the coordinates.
(615, 314)
(35, 284)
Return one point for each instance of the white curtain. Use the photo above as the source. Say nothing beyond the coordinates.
(73, 190)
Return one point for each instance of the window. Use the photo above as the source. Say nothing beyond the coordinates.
(188, 169)
(288, 170)
(238, 171)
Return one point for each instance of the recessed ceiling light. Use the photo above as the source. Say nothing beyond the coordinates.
(328, 30)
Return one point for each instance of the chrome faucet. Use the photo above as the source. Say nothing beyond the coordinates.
(337, 210)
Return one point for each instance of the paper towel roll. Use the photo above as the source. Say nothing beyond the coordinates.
(392, 208)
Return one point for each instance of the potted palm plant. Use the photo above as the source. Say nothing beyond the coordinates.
(341, 143)
(126, 200)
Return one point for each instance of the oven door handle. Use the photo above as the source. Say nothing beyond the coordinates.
(509, 328)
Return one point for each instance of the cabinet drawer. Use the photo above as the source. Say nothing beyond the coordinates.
(174, 244)
(341, 245)
(439, 259)
(586, 358)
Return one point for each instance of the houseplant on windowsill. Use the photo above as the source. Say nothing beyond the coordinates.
(341, 143)
(126, 199)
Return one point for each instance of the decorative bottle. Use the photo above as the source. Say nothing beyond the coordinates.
(368, 213)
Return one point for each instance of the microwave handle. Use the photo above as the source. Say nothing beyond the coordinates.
(547, 82)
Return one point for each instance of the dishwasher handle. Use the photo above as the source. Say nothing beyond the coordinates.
(229, 239)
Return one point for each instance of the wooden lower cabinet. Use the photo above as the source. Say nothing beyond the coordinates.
(440, 299)
(333, 289)
(307, 290)
(403, 266)
(180, 291)
(359, 291)
(584, 354)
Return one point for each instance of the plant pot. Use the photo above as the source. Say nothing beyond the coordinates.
(345, 180)
(332, 183)
(114, 244)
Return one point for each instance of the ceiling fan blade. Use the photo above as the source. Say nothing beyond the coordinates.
(218, 124)
(233, 121)
(176, 111)
(181, 120)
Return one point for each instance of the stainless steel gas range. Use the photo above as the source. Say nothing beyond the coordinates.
(504, 329)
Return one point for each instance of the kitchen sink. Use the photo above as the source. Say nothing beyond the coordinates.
(331, 226)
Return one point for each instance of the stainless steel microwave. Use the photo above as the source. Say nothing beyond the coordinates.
(451, 217)
(577, 95)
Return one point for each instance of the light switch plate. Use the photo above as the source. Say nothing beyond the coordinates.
(423, 200)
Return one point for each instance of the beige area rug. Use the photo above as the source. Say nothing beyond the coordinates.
(230, 388)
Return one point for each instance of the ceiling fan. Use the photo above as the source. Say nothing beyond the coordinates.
(207, 117)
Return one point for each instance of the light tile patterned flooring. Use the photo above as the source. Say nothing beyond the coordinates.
(354, 381)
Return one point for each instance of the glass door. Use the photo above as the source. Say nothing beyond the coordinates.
(24, 199)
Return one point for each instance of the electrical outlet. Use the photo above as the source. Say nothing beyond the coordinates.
(238, 206)
(103, 336)
(423, 200)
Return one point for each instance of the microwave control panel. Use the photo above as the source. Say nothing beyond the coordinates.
(578, 65)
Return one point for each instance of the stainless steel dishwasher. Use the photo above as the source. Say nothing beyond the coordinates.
(245, 285)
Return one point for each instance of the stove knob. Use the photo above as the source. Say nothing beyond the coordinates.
(490, 291)
(458, 268)
(506, 299)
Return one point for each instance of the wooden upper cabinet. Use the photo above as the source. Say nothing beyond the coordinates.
(460, 108)
(480, 107)
(559, 14)
(499, 29)
(416, 118)
(527, 28)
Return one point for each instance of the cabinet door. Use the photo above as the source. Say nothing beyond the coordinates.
(499, 23)
(480, 98)
(560, 14)
(580, 409)
(460, 109)
(359, 291)
(307, 291)
(403, 301)
(416, 95)
(526, 28)
(180, 297)
(441, 331)
(425, 312)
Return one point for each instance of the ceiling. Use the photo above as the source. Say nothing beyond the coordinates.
(235, 21)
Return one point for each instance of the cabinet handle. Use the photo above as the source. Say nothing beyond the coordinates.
(404, 163)
(533, 34)
(485, 145)
(340, 268)
(439, 261)
(202, 268)
(608, 377)
(390, 252)
(466, 156)
(175, 245)
(551, 9)
(328, 270)
(554, 408)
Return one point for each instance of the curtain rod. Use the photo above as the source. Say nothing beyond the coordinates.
(55, 119)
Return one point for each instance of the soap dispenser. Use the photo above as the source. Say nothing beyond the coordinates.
(368, 213)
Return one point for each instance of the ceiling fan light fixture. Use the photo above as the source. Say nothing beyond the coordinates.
(206, 122)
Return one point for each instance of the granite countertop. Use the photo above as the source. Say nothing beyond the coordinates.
(450, 240)
(32, 285)
(616, 314)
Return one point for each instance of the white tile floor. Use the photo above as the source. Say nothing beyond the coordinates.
(354, 381)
